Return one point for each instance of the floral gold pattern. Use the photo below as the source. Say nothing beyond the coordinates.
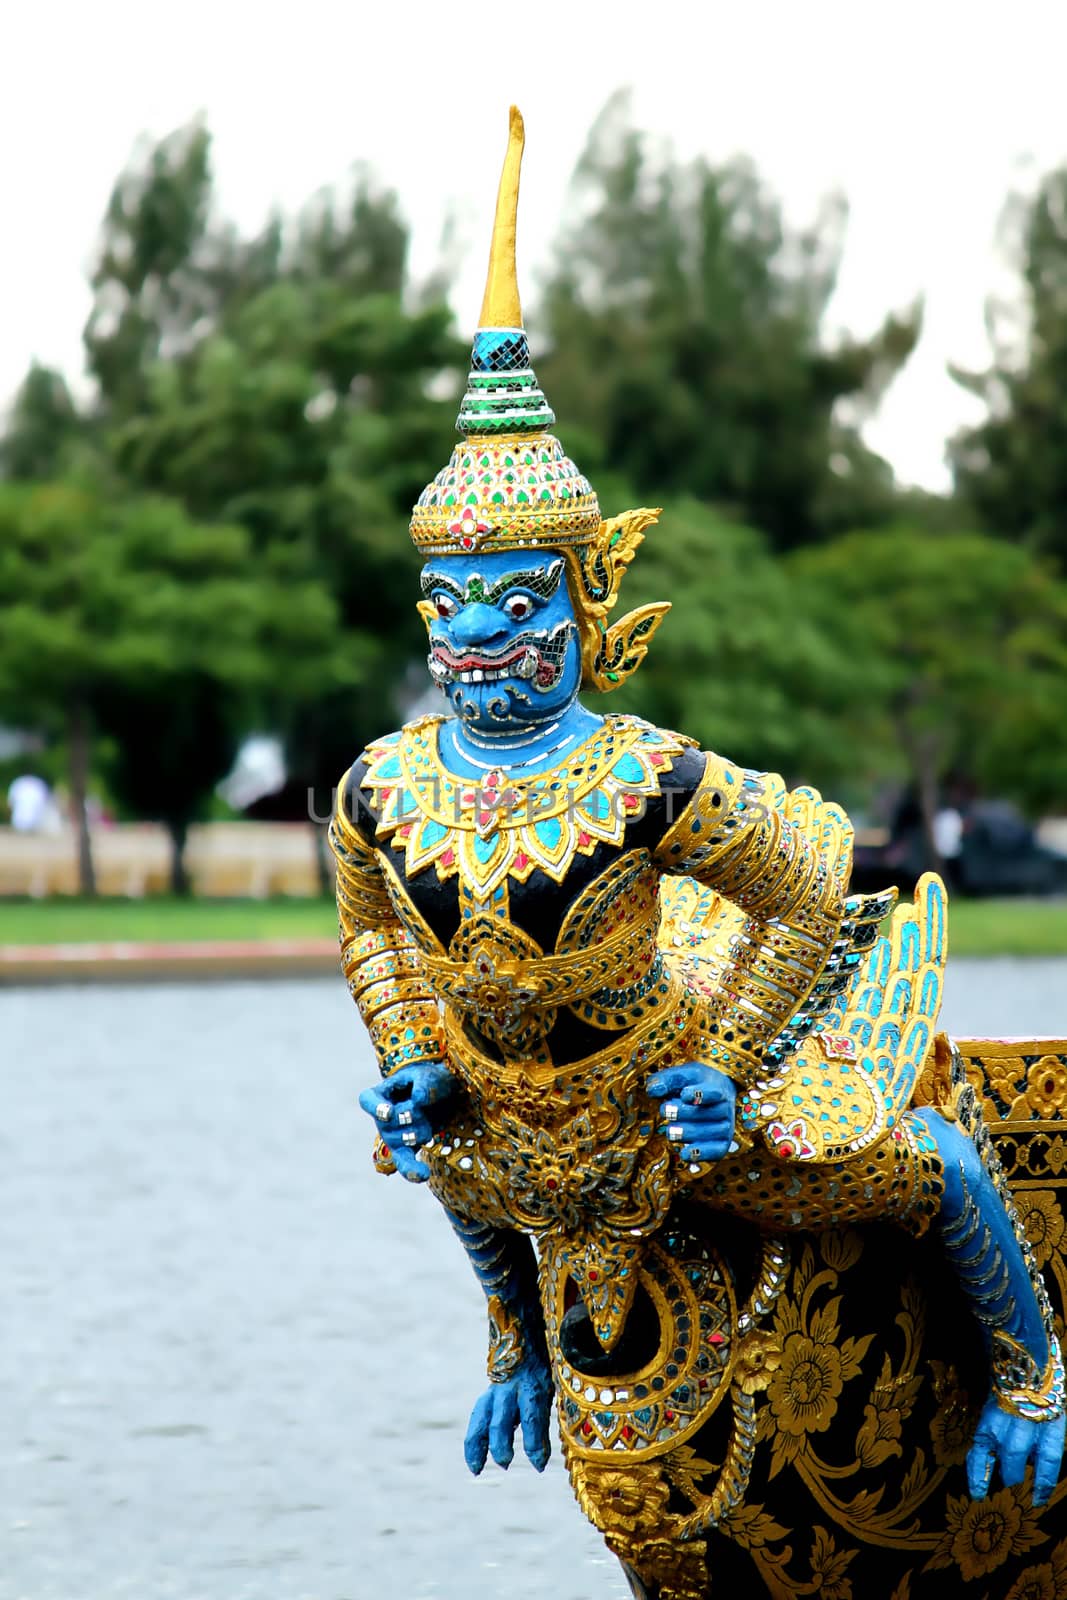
(507, 1347)
(953, 1424)
(1045, 1581)
(816, 1362)
(1045, 1094)
(1043, 1223)
(980, 1535)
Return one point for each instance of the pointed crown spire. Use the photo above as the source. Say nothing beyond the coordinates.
(501, 307)
(503, 395)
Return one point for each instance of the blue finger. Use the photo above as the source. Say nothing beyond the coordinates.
(693, 1133)
(697, 1117)
(1015, 1453)
(673, 1079)
(534, 1408)
(393, 1133)
(705, 1152)
(502, 1427)
(370, 1099)
(980, 1459)
(424, 1092)
(703, 1111)
(1047, 1459)
(408, 1165)
(476, 1443)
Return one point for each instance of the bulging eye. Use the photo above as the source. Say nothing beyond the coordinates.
(518, 607)
(446, 606)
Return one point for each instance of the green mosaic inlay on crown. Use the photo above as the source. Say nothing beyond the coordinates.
(499, 402)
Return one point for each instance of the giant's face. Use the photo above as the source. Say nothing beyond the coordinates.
(504, 640)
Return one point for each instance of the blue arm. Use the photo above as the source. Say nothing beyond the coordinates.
(408, 1108)
(520, 1390)
(1023, 1420)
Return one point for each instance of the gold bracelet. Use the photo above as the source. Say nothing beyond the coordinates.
(507, 1347)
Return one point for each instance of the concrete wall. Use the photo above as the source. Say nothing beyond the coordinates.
(223, 858)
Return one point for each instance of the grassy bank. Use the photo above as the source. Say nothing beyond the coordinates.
(976, 927)
(1007, 928)
(69, 921)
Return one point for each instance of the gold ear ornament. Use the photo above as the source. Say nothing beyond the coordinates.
(611, 654)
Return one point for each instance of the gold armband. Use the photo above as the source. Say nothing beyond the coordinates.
(379, 957)
(1020, 1388)
(407, 1034)
(507, 1347)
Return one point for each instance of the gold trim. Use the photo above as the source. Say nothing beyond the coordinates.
(623, 1419)
(486, 830)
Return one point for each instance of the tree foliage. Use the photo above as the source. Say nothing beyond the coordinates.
(44, 428)
(216, 543)
(685, 324)
(961, 642)
(1012, 467)
(109, 604)
(743, 662)
(281, 383)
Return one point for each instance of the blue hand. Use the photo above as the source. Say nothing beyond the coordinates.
(1015, 1444)
(527, 1399)
(407, 1110)
(699, 1116)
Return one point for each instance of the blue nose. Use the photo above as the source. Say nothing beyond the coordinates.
(478, 624)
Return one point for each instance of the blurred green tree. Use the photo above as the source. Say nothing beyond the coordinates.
(684, 320)
(286, 383)
(120, 616)
(43, 428)
(961, 644)
(744, 662)
(1012, 467)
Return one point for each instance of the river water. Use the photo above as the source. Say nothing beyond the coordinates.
(235, 1364)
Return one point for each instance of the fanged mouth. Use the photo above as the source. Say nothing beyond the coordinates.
(472, 667)
(536, 658)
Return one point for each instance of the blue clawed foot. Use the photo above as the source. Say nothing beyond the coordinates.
(1014, 1444)
(526, 1400)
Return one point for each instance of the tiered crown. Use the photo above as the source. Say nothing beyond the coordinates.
(509, 484)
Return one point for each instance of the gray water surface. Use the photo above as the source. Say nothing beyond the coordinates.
(236, 1364)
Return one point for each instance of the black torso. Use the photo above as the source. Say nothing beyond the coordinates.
(539, 905)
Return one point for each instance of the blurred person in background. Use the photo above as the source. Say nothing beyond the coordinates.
(32, 805)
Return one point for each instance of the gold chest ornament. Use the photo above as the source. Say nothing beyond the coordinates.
(496, 827)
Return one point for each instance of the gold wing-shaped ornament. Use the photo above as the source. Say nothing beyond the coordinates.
(848, 1083)
(611, 654)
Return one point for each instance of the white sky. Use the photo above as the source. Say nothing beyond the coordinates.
(924, 113)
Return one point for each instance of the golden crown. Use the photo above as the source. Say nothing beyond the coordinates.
(510, 485)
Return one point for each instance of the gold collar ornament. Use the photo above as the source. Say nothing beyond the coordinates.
(499, 826)
(510, 486)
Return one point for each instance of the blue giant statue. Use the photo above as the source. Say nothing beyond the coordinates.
(636, 1036)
